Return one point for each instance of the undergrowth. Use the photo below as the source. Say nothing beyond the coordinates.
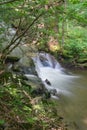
(19, 110)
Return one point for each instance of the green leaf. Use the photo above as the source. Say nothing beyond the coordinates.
(2, 122)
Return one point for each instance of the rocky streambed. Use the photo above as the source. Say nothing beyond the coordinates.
(25, 69)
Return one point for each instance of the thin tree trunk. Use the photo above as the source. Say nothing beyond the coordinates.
(63, 31)
(64, 24)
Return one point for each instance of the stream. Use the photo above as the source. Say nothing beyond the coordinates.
(70, 86)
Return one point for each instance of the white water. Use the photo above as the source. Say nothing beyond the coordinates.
(48, 68)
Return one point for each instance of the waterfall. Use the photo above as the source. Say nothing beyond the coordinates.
(52, 74)
(70, 88)
(46, 60)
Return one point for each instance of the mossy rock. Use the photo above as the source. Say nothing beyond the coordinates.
(26, 61)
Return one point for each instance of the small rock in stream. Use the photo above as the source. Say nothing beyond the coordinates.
(53, 92)
(48, 82)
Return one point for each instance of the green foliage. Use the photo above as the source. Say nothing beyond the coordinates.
(26, 12)
(77, 12)
(75, 46)
(16, 97)
(2, 122)
(76, 50)
(18, 108)
(53, 16)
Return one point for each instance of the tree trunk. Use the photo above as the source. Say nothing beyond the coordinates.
(64, 24)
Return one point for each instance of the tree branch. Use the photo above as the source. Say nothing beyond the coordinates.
(7, 2)
(20, 36)
(12, 40)
(9, 51)
(23, 33)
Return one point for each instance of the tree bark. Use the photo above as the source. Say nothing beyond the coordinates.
(64, 26)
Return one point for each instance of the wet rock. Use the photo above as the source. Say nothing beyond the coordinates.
(43, 58)
(44, 61)
(53, 92)
(48, 82)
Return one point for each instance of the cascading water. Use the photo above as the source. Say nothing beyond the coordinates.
(52, 74)
(72, 89)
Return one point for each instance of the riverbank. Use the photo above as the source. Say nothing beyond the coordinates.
(69, 62)
(19, 110)
(25, 104)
